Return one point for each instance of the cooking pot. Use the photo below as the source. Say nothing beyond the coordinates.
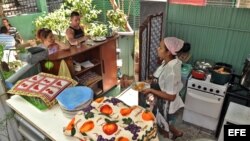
(245, 79)
(199, 74)
(203, 64)
(221, 73)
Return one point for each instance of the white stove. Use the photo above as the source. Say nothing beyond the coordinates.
(203, 102)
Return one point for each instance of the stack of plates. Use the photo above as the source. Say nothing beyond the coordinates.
(74, 99)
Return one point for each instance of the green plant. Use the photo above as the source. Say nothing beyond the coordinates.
(97, 29)
(56, 21)
(117, 19)
(84, 7)
(2, 46)
(22, 50)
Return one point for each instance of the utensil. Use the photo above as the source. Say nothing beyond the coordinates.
(203, 64)
(199, 74)
(221, 73)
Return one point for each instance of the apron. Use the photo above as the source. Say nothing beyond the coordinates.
(161, 107)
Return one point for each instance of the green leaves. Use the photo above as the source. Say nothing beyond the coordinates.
(49, 65)
(89, 115)
(127, 121)
(84, 7)
(97, 29)
(2, 46)
(117, 18)
(56, 21)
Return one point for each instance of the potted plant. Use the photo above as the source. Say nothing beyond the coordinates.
(117, 19)
(96, 30)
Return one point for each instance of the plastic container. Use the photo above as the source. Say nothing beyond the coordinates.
(185, 70)
(74, 97)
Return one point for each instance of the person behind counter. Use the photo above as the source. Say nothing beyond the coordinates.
(48, 41)
(12, 31)
(75, 32)
(167, 85)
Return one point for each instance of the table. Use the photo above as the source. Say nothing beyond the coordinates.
(50, 122)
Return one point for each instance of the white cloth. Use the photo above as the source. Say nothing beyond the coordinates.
(161, 121)
(8, 40)
(170, 82)
(173, 44)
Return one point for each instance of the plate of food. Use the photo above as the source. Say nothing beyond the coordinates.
(139, 86)
(99, 38)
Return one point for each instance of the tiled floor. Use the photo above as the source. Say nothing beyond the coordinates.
(191, 132)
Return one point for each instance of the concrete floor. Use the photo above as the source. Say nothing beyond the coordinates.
(191, 132)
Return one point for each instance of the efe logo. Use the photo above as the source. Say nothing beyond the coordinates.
(236, 132)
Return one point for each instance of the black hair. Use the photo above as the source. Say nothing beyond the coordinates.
(43, 33)
(74, 13)
(3, 30)
(186, 48)
(5, 19)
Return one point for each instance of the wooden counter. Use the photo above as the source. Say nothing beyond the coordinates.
(101, 54)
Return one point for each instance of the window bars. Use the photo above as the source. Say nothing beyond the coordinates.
(17, 7)
(54, 4)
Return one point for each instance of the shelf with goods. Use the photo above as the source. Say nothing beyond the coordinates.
(92, 78)
(101, 65)
(94, 62)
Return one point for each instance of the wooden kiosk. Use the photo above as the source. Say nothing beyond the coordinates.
(101, 76)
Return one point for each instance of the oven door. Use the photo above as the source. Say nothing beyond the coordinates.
(203, 103)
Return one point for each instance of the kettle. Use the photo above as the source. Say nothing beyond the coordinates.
(245, 79)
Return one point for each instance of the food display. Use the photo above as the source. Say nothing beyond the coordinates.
(139, 86)
(221, 71)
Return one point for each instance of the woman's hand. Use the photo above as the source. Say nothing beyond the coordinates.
(146, 91)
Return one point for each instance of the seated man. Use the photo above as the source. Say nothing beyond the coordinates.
(9, 42)
(75, 32)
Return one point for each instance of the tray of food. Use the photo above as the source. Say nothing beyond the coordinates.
(139, 86)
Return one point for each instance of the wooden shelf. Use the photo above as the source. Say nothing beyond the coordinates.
(94, 61)
(97, 91)
(89, 78)
(94, 82)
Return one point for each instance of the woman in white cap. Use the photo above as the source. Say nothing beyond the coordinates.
(168, 85)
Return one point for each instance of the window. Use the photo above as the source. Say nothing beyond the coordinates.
(54, 4)
(17, 7)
